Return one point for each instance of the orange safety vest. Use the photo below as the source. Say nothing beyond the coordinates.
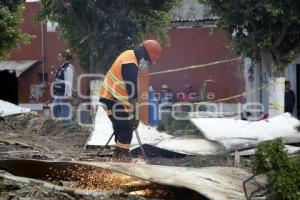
(113, 86)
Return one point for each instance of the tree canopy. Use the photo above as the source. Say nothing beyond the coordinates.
(98, 30)
(10, 19)
(267, 31)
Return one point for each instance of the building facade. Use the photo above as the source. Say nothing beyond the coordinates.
(23, 72)
(193, 42)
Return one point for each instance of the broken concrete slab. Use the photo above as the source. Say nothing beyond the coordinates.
(7, 109)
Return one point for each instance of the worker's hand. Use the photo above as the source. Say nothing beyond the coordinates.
(135, 124)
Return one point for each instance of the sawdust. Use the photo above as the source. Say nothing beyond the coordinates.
(94, 179)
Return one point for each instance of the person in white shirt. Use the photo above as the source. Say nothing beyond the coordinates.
(62, 88)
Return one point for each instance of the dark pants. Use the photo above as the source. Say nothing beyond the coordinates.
(122, 124)
(62, 108)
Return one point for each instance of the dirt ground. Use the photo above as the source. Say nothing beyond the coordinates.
(32, 136)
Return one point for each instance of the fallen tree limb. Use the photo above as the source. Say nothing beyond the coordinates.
(72, 191)
(23, 145)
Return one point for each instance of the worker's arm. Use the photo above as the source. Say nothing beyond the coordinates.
(68, 74)
(130, 74)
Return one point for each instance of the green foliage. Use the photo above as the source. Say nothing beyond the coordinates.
(98, 30)
(283, 172)
(265, 30)
(270, 156)
(173, 126)
(10, 35)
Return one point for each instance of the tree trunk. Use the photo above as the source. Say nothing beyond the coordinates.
(276, 96)
(277, 79)
(92, 63)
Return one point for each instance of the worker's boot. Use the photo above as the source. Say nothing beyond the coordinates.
(121, 155)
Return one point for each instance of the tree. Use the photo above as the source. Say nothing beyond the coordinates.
(98, 30)
(10, 34)
(267, 31)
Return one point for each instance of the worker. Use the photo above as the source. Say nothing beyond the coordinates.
(119, 93)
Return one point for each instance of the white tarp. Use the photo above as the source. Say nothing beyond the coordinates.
(7, 109)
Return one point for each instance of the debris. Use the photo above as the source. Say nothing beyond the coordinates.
(191, 145)
(214, 183)
(240, 135)
(103, 130)
(73, 177)
(33, 184)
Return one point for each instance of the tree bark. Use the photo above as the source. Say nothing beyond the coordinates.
(276, 96)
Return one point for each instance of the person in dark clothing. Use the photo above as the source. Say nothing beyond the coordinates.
(289, 98)
(62, 88)
(119, 93)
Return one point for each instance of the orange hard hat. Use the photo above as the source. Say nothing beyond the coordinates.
(153, 49)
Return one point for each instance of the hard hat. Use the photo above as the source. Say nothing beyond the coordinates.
(153, 49)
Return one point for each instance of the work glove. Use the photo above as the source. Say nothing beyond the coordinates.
(134, 121)
(135, 124)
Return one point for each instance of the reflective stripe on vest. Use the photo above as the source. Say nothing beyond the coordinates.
(113, 86)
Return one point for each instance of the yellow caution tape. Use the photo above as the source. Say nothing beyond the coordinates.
(245, 94)
(194, 66)
(251, 92)
(276, 106)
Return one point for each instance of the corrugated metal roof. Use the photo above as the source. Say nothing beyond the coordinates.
(18, 66)
(190, 11)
